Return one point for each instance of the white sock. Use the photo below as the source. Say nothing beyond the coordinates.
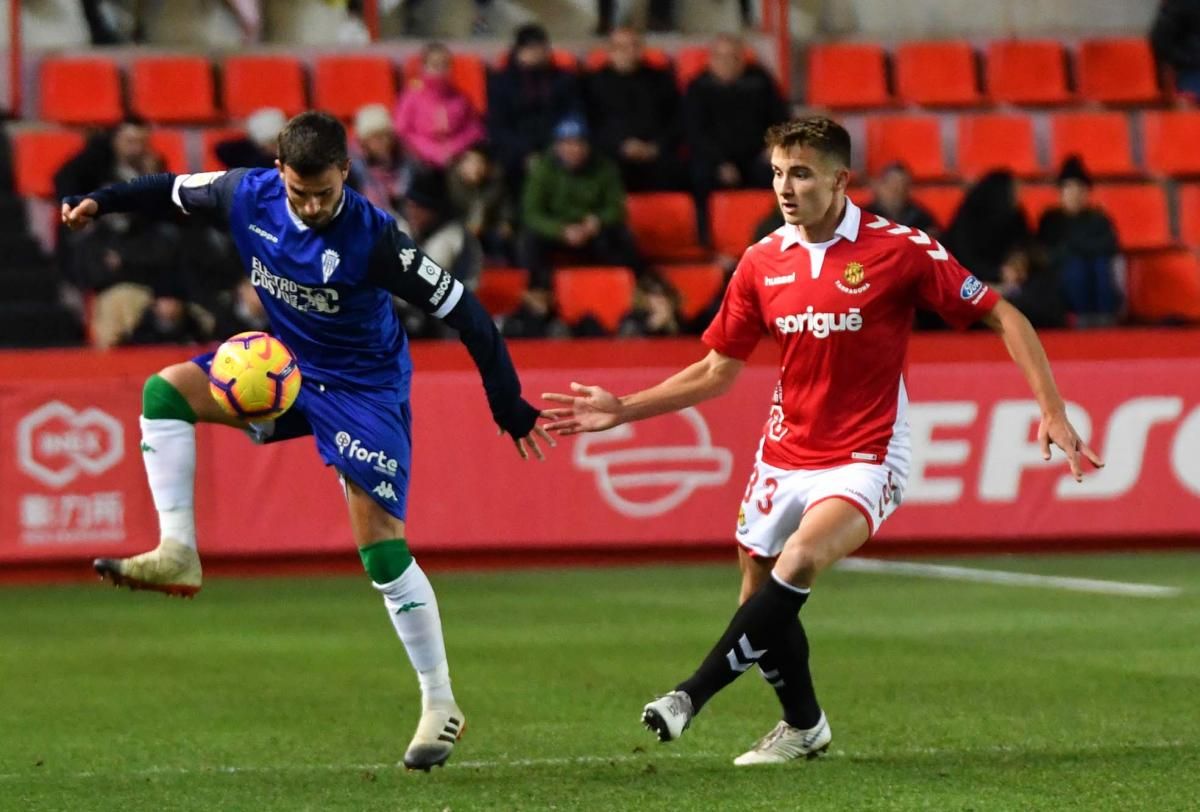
(419, 627)
(169, 454)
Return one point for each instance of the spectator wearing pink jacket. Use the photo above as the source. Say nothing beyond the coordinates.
(433, 118)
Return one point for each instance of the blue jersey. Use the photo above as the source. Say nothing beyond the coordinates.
(328, 291)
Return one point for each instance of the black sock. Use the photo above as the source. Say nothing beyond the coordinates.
(754, 630)
(785, 668)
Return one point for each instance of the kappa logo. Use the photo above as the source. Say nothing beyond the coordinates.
(55, 443)
(638, 479)
(329, 262)
(407, 255)
(263, 233)
(384, 490)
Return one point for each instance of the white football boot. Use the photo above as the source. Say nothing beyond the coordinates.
(786, 743)
(171, 568)
(669, 715)
(441, 726)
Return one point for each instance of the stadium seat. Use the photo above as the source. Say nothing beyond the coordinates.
(1118, 71)
(502, 289)
(468, 73)
(597, 58)
(1036, 199)
(172, 89)
(1138, 212)
(692, 60)
(996, 141)
(698, 286)
(37, 155)
(847, 75)
(1169, 140)
(937, 74)
(209, 139)
(734, 214)
(342, 84)
(80, 91)
(1164, 286)
(1189, 214)
(1027, 72)
(603, 292)
(249, 83)
(664, 226)
(170, 144)
(915, 141)
(1101, 140)
(941, 201)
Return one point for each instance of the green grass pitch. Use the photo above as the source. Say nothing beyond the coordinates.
(292, 694)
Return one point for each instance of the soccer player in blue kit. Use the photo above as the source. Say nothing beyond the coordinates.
(325, 263)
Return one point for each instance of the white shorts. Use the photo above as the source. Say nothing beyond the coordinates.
(776, 499)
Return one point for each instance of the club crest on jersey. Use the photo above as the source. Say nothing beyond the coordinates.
(853, 279)
(329, 262)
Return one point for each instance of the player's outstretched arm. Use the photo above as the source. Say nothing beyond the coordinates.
(1026, 350)
(591, 408)
(208, 192)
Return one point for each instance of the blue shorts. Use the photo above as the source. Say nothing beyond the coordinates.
(366, 437)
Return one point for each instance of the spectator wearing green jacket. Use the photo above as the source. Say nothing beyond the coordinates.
(573, 207)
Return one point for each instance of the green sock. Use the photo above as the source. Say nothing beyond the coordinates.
(162, 401)
(386, 560)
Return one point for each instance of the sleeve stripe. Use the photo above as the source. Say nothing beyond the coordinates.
(452, 298)
(179, 179)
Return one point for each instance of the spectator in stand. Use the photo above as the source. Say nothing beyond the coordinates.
(892, 199)
(633, 109)
(257, 149)
(1082, 245)
(480, 197)
(574, 207)
(525, 100)
(434, 119)
(1175, 39)
(655, 310)
(988, 226)
(380, 168)
(120, 154)
(1030, 286)
(239, 310)
(169, 320)
(726, 111)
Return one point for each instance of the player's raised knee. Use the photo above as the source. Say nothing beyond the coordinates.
(163, 400)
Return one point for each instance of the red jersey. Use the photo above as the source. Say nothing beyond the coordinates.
(842, 312)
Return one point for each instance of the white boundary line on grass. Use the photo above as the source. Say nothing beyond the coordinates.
(1006, 578)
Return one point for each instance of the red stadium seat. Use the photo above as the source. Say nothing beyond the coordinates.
(342, 84)
(1101, 140)
(847, 75)
(1036, 199)
(468, 73)
(1189, 214)
(1027, 72)
(941, 201)
(597, 58)
(603, 292)
(80, 91)
(249, 83)
(937, 74)
(664, 225)
(1139, 214)
(209, 138)
(1118, 71)
(698, 286)
(915, 141)
(1169, 140)
(1165, 286)
(173, 89)
(734, 214)
(501, 290)
(37, 155)
(172, 147)
(996, 141)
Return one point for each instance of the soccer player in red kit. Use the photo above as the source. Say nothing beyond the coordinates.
(837, 288)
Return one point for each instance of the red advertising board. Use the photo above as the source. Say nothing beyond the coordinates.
(71, 484)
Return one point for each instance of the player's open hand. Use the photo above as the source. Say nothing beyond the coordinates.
(77, 216)
(529, 443)
(1057, 429)
(589, 409)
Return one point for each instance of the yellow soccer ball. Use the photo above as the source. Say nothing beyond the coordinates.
(254, 376)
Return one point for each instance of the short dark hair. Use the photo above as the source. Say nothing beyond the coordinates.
(312, 142)
(822, 134)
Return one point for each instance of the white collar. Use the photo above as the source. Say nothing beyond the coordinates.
(300, 224)
(847, 229)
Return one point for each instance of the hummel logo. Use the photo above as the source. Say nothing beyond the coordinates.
(779, 280)
(147, 448)
(408, 607)
(749, 655)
